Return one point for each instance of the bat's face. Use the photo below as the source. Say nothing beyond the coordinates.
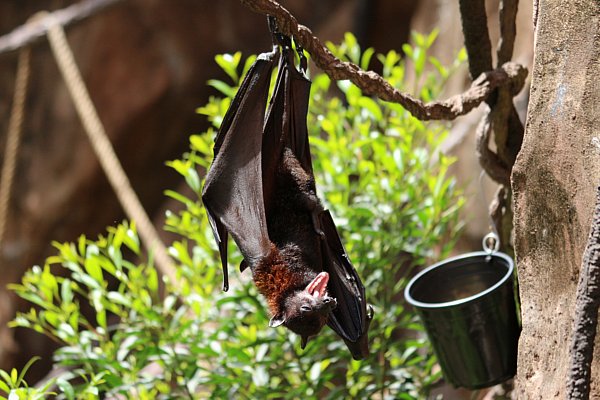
(305, 311)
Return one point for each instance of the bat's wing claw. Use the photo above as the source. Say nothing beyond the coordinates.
(317, 224)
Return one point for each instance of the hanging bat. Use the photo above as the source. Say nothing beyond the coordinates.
(260, 189)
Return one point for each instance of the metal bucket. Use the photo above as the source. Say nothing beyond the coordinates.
(467, 306)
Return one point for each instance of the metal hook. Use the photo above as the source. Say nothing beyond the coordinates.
(491, 243)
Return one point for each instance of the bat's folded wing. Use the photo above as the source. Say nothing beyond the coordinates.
(350, 318)
(233, 192)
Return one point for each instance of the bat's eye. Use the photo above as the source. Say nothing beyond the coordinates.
(305, 308)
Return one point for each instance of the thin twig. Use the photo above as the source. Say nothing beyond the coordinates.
(34, 30)
(373, 84)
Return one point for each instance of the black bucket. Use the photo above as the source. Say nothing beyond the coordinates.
(467, 306)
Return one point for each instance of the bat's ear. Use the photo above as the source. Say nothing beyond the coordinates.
(276, 321)
(303, 341)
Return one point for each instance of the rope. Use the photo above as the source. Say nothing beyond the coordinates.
(31, 31)
(13, 140)
(104, 150)
(374, 84)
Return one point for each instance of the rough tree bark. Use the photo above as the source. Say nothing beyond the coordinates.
(554, 183)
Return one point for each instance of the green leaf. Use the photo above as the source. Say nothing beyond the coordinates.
(92, 266)
(25, 368)
(249, 61)
(131, 239)
(315, 372)
(66, 293)
(432, 37)
(222, 87)
(229, 64)
(371, 106)
(193, 180)
(66, 388)
(81, 243)
(200, 144)
(6, 377)
(442, 71)
(118, 298)
(260, 377)
(152, 281)
(419, 57)
(366, 58)
(408, 50)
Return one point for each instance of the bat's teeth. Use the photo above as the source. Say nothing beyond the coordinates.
(318, 287)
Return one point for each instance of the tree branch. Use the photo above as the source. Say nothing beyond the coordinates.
(477, 37)
(586, 314)
(508, 30)
(372, 83)
(36, 29)
(501, 118)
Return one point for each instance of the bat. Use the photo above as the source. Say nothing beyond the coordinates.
(260, 189)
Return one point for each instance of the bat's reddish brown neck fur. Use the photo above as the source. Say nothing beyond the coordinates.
(273, 279)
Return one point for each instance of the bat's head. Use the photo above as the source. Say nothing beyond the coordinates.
(305, 311)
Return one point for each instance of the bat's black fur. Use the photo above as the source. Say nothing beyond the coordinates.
(292, 225)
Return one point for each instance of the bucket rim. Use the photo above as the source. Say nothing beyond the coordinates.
(452, 303)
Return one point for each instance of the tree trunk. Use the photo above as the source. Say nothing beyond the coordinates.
(554, 183)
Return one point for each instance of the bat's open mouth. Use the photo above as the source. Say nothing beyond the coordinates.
(318, 286)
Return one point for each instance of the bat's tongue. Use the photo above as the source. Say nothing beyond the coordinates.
(318, 286)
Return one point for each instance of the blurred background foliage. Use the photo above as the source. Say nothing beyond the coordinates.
(383, 176)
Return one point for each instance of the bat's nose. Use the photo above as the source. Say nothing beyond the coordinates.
(330, 302)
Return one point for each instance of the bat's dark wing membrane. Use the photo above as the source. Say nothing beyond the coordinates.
(297, 101)
(273, 133)
(350, 318)
(233, 194)
(285, 125)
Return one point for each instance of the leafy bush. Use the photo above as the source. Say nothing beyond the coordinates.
(14, 385)
(381, 173)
